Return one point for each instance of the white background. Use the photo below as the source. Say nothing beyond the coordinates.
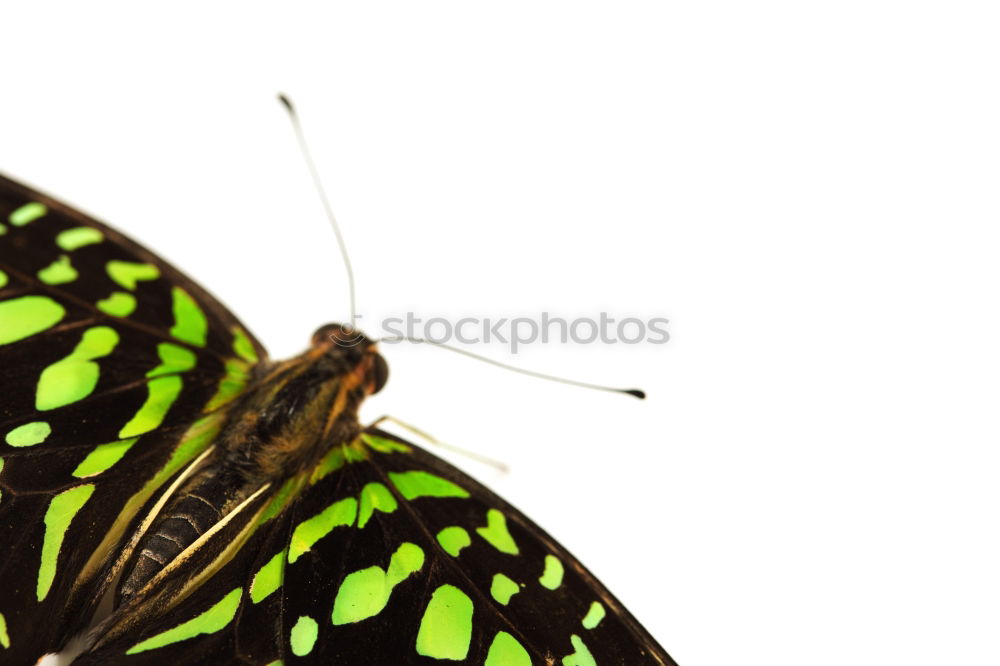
(808, 191)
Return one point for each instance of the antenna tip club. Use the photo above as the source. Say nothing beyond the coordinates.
(635, 393)
(283, 98)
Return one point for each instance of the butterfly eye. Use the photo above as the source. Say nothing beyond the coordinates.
(380, 373)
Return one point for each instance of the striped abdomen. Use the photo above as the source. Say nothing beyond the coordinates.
(199, 505)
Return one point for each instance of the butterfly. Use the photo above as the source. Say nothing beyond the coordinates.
(172, 495)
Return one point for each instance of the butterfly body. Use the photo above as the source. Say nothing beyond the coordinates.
(233, 507)
(290, 415)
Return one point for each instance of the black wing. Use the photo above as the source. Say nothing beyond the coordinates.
(115, 370)
(385, 554)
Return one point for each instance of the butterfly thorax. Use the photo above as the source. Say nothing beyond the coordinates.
(293, 412)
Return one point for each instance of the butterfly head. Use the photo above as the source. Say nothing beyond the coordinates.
(343, 341)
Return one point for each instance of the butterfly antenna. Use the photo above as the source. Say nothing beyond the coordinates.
(635, 393)
(300, 135)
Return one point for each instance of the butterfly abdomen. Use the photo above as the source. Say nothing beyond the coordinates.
(201, 503)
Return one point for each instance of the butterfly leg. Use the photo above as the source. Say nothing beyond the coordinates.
(495, 464)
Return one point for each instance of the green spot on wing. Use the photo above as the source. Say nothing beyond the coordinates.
(363, 594)
(29, 434)
(173, 359)
(190, 324)
(553, 574)
(309, 531)
(384, 444)
(353, 454)
(118, 304)
(59, 271)
(103, 457)
(128, 273)
(581, 656)
(304, 635)
(74, 239)
(505, 650)
(62, 509)
(163, 391)
(27, 214)
(231, 385)
(594, 616)
(23, 317)
(374, 496)
(212, 620)
(243, 347)
(418, 483)
(4, 638)
(3, 279)
(289, 489)
(446, 627)
(331, 461)
(453, 539)
(195, 440)
(496, 533)
(268, 578)
(74, 377)
(503, 588)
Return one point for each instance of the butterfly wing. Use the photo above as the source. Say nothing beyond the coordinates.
(387, 555)
(116, 370)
